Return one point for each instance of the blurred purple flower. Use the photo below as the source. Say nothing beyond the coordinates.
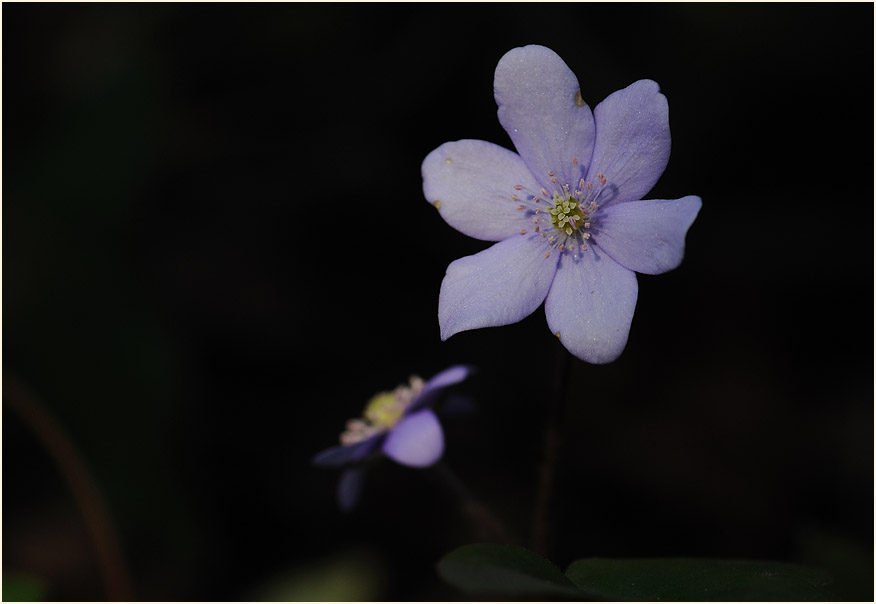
(400, 424)
(566, 210)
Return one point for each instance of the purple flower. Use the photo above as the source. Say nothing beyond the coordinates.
(566, 210)
(400, 424)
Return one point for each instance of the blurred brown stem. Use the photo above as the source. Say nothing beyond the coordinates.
(489, 527)
(72, 467)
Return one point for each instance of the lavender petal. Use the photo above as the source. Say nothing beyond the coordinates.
(632, 140)
(471, 182)
(590, 306)
(498, 286)
(417, 440)
(438, 382)
(344, 454)
(541, 108)
(648, 236)
(350, 488)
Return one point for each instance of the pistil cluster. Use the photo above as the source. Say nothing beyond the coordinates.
(382, 412)
(565, 217)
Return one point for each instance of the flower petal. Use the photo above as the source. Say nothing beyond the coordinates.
(439, 382)
(417, 440)
(647, 236)
(590, 306)
(541, 108)
(632, 140)
(343, 454)
(471, 183)
(350, 488)
(498, 286)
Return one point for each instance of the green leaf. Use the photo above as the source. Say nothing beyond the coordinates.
(349, 576)
(681, 579)
(18, 587)
(505, 569)
(848, 561)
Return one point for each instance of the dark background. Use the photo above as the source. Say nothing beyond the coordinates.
(216, 249)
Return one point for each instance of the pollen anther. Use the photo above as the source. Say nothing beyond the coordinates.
(568, 210)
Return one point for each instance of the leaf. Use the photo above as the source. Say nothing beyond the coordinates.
(848, 561)
(682, 579)
(23, 588)
(348, 576)
(506, 569)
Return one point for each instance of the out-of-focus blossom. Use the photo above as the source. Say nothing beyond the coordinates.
(399, 424)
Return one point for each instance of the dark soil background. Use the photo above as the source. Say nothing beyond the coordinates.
(216, 249)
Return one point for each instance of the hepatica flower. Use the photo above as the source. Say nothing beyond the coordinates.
(566, 209)
(399, 424)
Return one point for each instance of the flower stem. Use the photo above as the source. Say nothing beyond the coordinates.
(550, 454)
(83, 486)
(489, 528)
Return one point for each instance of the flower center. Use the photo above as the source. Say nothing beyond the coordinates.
(382, 412)
(565, 216)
